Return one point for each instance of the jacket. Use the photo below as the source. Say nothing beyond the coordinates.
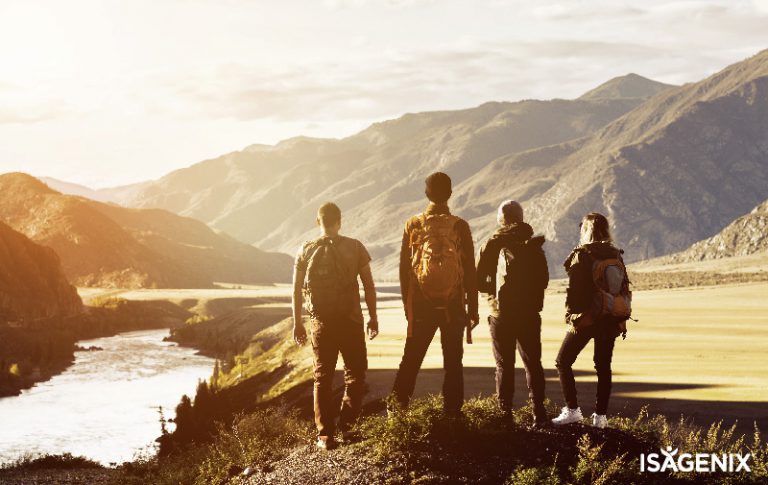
(581, 286)
(523, 269)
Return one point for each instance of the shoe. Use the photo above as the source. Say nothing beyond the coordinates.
(325, 444)
(348, 437)
(599, 420)
(568, 416)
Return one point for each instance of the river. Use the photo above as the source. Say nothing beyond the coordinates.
(104, 406)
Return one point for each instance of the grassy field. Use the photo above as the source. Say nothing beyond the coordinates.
(698, 351)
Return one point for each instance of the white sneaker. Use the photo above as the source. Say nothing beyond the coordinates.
(568, 416)
(599, 420)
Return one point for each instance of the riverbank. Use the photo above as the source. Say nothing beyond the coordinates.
(40, 349)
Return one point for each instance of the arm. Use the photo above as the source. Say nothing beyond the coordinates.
(299, 332)
(544, 269)
(486, 268)
(579, 292)
(470, 272)
(405, 264)
(370, 300)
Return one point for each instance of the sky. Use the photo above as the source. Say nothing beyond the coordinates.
(110, 92)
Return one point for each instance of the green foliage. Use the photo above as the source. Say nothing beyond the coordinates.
(60, 462)
(593, 467)
(534, 476)
(252, 441)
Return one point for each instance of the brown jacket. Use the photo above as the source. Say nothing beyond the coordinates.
(466, 247)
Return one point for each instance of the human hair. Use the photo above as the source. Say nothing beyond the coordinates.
(438, 188)
(594, 228)
(328, 214)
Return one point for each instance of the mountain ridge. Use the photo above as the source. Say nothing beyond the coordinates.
(104, 244)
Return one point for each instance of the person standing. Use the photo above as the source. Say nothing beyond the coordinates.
(439, 290)
(512, 271)
(597, 306)
(326, 269)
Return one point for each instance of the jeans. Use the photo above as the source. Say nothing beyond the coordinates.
(522, 332)
(426, 321)
(328, 340)
(572, 345)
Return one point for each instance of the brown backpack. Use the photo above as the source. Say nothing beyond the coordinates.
(613, 298)
(435, 257)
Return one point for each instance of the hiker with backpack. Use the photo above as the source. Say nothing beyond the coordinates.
(439, 290)
(597, 306)
(326, 270)
(512, 271)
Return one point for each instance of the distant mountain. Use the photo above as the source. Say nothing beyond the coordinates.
(76, 189)
(631, 86)
(745, 236)
(268, 195)
(107, 245)
(32, 283)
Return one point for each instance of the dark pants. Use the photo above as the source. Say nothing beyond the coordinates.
(522, 332)
(572, 345)
(328, 340)
(426, 321)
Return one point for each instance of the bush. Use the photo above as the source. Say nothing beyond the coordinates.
(252, 441)
(65, 461)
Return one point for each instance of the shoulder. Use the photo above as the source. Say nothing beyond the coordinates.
(577, 256)
(413, 221)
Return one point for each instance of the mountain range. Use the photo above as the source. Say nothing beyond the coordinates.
(669, 166)
(107, 245)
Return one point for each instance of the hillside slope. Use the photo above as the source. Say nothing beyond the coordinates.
(32, 283)
(745, 236)
(110, 246)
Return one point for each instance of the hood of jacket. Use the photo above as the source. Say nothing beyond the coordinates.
(517, 233)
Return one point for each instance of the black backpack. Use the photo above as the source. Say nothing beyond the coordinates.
(324, 286)
(526, 275)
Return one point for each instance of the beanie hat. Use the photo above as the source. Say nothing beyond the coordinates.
(510, 212)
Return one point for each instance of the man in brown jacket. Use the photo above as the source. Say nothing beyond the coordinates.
(452, 315)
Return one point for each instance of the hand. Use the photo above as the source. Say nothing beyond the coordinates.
(373, 328)
(299, 334)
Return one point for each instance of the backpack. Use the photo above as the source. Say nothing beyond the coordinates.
(526, 275)
(324, 281)
(435, 257)
(613, 299)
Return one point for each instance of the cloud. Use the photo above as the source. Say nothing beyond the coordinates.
(17, 106)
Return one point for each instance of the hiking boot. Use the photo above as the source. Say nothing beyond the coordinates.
(599, 420)
(348, 437)
(568, 416)
(325, 444)
(540, 419)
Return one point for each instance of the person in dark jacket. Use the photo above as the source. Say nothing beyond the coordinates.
(595, 245)
(512, 271)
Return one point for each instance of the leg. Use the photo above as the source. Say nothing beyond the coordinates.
(413, 355)
(529, 346)
(355, 357)
(604, 343)
(326, 352)
(572, 345)
(503, 341)
(452, 340)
